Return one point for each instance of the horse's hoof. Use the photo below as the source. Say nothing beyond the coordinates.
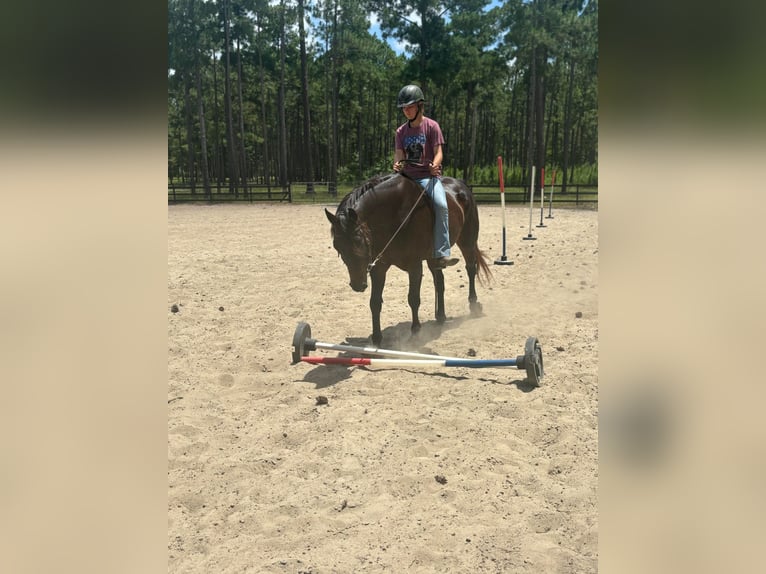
(376, 341)
(441, 319)
(475, 308)
(415, 328)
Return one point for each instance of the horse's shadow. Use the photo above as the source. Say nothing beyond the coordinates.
(398, 338)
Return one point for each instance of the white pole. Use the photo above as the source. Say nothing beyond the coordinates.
(531, 201)
(503, 258)
(542, 195)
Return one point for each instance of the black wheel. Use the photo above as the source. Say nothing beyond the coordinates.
(302, 332)
(533, 361)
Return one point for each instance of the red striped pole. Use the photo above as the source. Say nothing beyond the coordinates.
(550, 203)
(531, 360)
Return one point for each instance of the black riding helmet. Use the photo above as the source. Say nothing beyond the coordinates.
(409, 95)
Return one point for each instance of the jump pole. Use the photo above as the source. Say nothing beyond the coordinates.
(531, 200)
(542, 196)
(531, 360)
(550, 203)
(503, 259)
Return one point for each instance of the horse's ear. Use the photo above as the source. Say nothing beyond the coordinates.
(330, 216)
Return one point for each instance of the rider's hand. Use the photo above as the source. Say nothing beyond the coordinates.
(434, 169)
(397, 166)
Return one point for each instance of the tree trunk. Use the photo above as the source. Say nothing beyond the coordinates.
(513, 149)
(531, 123)
(202, 129)
(333, 175)
(231, 152)
(243, 165)
(471, 132)
(264, 95)
(464, 138)
(306, 105)
(567, 127)
(361, 145)
(573, 153)
(217, 153)
(281, 105)
(189, 133)
(539, 117)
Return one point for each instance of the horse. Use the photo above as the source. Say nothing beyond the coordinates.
(388, 221)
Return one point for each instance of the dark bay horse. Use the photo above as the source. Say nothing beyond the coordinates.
(364, 232)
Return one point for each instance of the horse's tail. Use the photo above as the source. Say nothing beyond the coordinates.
(483, 270)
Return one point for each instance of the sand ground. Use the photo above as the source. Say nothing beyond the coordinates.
(261, 478)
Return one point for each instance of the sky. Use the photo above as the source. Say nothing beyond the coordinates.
(396, 45)
(399, 46)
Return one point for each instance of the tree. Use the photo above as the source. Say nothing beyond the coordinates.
(231, 146)
(419, 23)
(470, 66)
(305, 101)
(301, 90)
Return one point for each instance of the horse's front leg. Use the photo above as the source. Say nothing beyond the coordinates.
(413, 296)
(438, 276)
(378, 278)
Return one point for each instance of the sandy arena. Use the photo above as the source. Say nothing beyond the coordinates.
(403, 469)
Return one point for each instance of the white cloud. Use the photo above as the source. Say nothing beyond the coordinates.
(396, 45)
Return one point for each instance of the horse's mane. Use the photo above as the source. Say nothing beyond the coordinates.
(354, 196)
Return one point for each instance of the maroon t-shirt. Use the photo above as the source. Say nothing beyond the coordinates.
(418, 145)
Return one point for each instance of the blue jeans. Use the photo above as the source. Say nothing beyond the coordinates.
(441, 212)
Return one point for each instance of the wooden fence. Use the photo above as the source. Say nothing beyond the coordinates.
(577, 194)
(327, 192)
(183, 193)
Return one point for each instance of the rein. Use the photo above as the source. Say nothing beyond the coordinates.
(402, 224)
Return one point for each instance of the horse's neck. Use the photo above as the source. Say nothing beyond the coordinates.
(386, 210)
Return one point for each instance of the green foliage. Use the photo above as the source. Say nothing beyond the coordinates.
(474, 66)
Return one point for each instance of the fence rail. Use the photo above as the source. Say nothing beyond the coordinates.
(576, 193)
(183, 193)
(318, 188)
(324, 191)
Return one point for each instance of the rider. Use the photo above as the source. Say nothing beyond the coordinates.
(419, 140)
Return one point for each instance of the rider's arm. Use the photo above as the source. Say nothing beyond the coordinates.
(437, 162)
(398, 156)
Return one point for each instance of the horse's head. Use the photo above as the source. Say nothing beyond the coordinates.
(351, 239)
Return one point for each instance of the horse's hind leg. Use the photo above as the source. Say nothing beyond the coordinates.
(473, 300)
(470, 254)
(413, 296)
(438, 275)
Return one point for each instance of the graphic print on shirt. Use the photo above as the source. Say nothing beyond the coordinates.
(413, 147)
